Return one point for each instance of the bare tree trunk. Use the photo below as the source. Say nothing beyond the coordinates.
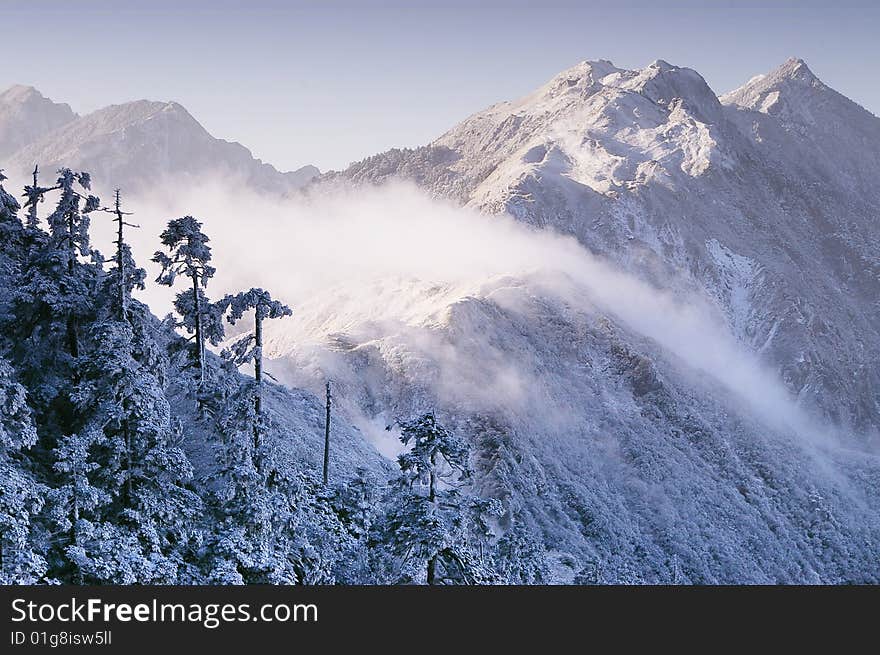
(432, 569)
(200, 351)
(327, 438)
(432, 498)
(32, 220)
(72, 338)
(120, 263)
(258, 376)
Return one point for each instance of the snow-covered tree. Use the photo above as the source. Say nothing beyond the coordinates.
(143, 469)
(8, 209)
(356, 503)
(520, 557)
(190, 256)
(21, 496)
(249, 348)
(69, 232)
(35, 194)
(430, 523)
(255, 507)
(54, 291)
(11, 245)
(72, 502)
(126, 276)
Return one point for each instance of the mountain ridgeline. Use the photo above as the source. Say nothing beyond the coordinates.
(139, 145)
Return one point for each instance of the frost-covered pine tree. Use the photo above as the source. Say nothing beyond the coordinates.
(53, 292)
(520, 557)
(73, 502)
(356, 503)
(249, 348)
(9, 221)
(35, 194)
(429, 519)
(69, 232)
(190, 257)
(21, 495)
(255, 507)
(126, 276)
(140, 528)
(11, 246)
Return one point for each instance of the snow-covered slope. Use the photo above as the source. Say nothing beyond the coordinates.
(770, 208)
(141, 145)
(623, 435)
(632, 465)
(792, 115)
(685, 389)
(25, 116)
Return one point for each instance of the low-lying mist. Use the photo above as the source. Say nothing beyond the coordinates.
(343, 245)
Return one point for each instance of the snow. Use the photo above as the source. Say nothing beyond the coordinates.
(738, 274)
(672, 379)
(749, 204)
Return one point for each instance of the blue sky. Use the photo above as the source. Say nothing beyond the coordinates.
(332, 82)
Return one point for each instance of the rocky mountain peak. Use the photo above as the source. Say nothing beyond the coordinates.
(26, 115)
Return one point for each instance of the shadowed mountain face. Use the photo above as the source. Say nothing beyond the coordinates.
(136, 146)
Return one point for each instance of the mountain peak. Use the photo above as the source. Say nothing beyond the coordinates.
(663, 83)
(793, 71)
(131, 144)
(20, 92)
(584, 74)
(662, 65)
(793, 76)
(27, 115)
(796, 69)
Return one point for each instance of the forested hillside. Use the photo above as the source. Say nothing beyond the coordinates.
(130, 452)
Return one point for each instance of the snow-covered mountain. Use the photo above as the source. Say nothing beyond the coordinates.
(25, 116)
(667, 361)
(625, 437)
(765, 200)
(136, 146)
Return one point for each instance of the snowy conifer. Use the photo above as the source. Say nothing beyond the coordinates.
(21, 496)
(189, 256)
(8, 208)
(69, 232)
(35, 194)
(430, 523)
(142, 475)
(126, 276)
(255, 506)
(243, 351)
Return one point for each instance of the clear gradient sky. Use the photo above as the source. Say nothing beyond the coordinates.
(331, 82)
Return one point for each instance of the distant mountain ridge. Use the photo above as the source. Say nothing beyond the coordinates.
(26, 116)
(134, 145)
